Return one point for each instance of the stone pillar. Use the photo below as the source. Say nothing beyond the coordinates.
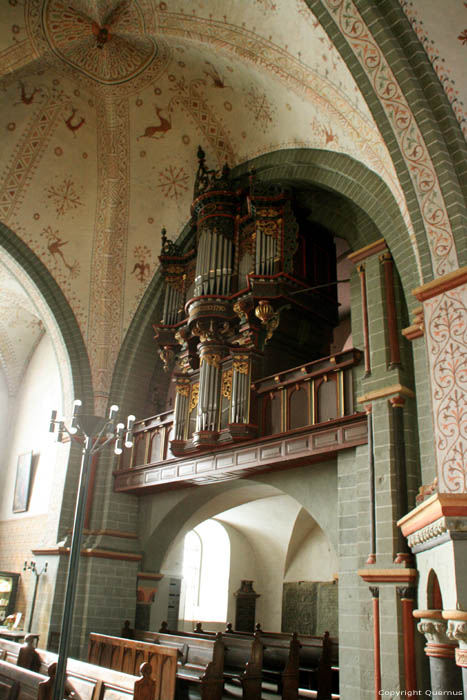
(391, 315)
(407, 595)
(367, 532)
(445, 675)
(457, 632)
(374, 590)
(400, 472)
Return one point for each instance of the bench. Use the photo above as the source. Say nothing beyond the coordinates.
(92, 682)
(83, 681)
(17, 683)
(243, 658)
(318, 659)
(199, 661)
(127, 655)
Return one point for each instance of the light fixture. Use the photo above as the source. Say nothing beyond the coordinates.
(96, 433)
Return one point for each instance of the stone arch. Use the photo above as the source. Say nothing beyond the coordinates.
(366, 199)
(384, 26)
(171, 515)
(250, 510)
(62, 321)
(67, 339)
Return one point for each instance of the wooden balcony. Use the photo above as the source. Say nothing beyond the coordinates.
(304, 415)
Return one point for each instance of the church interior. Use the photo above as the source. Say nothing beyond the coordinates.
(243, 223)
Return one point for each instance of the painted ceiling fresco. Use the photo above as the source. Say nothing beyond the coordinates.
(21, 328)
(103, 105)
(442, 29)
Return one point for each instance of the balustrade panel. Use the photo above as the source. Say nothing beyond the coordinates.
(272, 414)
(298, 408)
(139, 450)
(155, 452)
(327, 399)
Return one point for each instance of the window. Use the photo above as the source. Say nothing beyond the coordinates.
(206, 569)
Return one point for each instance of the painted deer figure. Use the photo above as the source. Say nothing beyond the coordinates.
(160, 129)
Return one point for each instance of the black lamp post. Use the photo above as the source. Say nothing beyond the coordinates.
(97, 433)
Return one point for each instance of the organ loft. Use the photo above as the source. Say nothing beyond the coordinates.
(251, 293)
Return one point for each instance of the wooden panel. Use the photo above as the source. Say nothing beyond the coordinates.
(298, 408)
(155, 450)
(327, 400)
(127, 655)
(308, 445)
(139, 450)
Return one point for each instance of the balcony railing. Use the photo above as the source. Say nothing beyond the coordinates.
(301, 413)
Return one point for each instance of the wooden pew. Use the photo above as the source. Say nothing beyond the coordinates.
(200, 661)
(93, 682)
(317, 661)
(243, 657)
(18, 683)
(83, 681)
(127, 655)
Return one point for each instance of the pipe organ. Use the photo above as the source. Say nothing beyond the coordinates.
(251, 292)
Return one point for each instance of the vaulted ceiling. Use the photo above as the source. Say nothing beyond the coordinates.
(103, 104)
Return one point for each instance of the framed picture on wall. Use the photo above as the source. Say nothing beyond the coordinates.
(23, 483)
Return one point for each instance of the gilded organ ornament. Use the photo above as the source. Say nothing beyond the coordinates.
(183, 389)
(226, 388)
(212, 359)
(167, 356)
(194, 397)
(268, 317)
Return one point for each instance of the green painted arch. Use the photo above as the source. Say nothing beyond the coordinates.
(439, 128)
(341, 216)
(366, 199)
(60, 310)
(366, 203)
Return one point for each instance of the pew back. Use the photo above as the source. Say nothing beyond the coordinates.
(88, 681)
(18, 683)
(127, 655)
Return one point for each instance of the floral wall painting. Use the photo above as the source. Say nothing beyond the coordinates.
(23, 483)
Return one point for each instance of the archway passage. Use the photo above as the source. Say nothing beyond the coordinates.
(270, 539)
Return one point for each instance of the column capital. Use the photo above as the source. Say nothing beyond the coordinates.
(385, 257)
(457, 632)
(438, 643)
(397, 401)
(406, 592)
